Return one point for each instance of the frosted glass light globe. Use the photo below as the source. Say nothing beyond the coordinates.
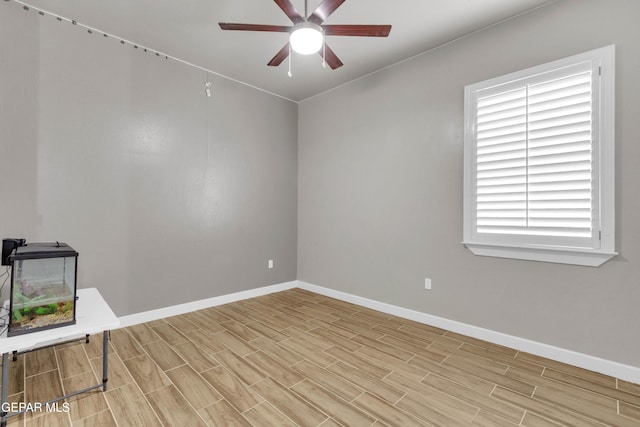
(306, 38)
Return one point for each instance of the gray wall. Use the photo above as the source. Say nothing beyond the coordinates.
(380, 189)
(168, 196)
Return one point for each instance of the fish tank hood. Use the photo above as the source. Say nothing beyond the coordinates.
(42, 250)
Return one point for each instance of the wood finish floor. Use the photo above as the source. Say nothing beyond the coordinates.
(296, 358)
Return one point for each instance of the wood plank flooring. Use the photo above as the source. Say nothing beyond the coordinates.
(295, 358)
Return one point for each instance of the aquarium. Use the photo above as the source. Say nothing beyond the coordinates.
(43, 287)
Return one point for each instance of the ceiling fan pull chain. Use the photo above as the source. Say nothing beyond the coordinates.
(324, 50)
(289, 73)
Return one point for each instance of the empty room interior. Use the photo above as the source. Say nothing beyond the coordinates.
(428, 220)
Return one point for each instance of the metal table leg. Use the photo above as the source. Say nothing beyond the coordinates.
(5, 380)
(105, 356)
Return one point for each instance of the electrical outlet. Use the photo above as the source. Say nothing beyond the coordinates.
(427, 284)
(270, 263)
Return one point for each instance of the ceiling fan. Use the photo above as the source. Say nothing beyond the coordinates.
(307, 32)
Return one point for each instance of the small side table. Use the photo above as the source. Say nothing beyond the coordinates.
(93, 315)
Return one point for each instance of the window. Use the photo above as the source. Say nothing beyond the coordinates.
(539, 162)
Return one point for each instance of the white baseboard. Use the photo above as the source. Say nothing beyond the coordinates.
(174, 310)
(592, 363)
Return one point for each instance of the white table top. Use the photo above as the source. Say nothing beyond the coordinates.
(93, 315)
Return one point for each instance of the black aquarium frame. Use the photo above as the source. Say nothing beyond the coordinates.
(41, 251)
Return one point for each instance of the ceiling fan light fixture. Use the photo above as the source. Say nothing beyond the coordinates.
(306, 38)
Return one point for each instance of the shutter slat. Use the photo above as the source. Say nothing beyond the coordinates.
(490, 182)
(505, 205)
(504, 139)
(565, 138)
(502, 213)
(570, 147)
(583, 223)
(502, 173)
(562, 129)
(564, 107)
(561, 186)
(560, 213)
(490, 119)
(502, 197)
(502, 189)
(572, 175)
(537, 231)
(561, 124)
(502, 164)
(502, 98)
(567, 166)
(582, 79)
(552, 205)
(502, 155)
(570, 157)
(558, 195)
(497, 148)
(507, 129)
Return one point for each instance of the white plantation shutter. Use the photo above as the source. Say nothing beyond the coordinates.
(532, 158)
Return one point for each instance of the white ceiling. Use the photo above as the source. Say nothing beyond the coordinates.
(188, 30)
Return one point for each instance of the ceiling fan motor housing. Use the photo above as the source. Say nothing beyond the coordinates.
(306, 38)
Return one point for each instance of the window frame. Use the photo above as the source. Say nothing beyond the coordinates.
(601, 244)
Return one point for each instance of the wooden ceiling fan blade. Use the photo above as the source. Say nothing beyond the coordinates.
(357, 30)
(255, 27)
(322, 12)
(280, 56)
(290, 11)
(330, 57)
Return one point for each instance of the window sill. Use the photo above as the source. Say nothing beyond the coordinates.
(573, 256)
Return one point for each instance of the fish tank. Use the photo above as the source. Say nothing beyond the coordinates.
(43, 287)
